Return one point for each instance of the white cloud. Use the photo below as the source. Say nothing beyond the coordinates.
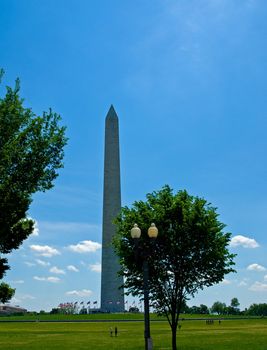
(56, 270)
(17, 282)
(35, 229)
(226, 282)
(15, 300)
(44, 250)
(242, 284)
(258, 287)
(256, 267)
(42, 263)
(47, 279)
(80, 293)
(53, 279)
(29, 263)
(72, 268)
(265, 278)
(27, 297)
(39, 278)
(95, 267)
(85, 247)
(244, 242)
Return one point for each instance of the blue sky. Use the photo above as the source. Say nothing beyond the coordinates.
(188, 81)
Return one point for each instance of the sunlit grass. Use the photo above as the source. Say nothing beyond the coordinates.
(194, 335)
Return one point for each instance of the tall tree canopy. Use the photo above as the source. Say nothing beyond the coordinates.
(219, 308)
(189, 254)
(31, 152)
(257, 310)
(6, 292)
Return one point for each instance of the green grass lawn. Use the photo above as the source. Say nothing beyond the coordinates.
(194, 335)
(100, 316)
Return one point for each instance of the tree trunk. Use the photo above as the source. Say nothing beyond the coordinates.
(174, 329)
(174, 324)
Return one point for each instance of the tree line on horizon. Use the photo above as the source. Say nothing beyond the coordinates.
(221, 309)
(218, 308)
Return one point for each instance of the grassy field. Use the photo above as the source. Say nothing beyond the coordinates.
(100, 316)
(194, 335)
(104, 317)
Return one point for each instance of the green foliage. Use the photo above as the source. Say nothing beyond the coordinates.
(235, 303)
(134, 309)
(55, 311)
(233, 309)
(219, 308)
(203, 309)
(6, 293)
(257, 310)
(189, 254)
(31, 152)
(200, 310)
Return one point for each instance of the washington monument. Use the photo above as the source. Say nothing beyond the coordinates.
(112, 298)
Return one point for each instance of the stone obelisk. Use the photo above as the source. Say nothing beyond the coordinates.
(112, 298)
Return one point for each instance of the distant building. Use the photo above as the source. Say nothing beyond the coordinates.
(9, 310)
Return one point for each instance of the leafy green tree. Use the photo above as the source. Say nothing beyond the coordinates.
(185, 309)
(6, 292)
(218, 308)
(203, 309)
(235, 303)
(55, 311)
(194, 310)
(189, 254)
(31, 152)
(134, 309)
(233, 308)
(257, 310)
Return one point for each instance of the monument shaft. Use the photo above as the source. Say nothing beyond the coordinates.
(112, 298)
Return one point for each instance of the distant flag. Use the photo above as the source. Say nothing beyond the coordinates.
(126, 302)
(118, 302)
(81, 302)
(76, 302)
(89, 302)
(95, 302)
(110, 302)
(134, 302)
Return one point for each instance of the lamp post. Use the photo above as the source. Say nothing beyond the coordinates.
(143, 253)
